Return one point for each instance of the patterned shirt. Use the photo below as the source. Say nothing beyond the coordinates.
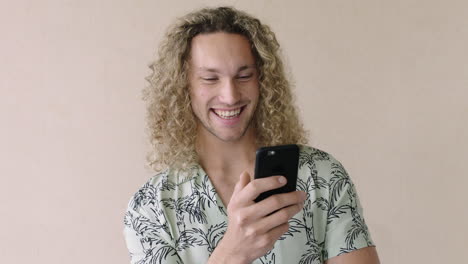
(179, 217)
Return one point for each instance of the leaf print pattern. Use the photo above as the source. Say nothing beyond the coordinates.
(312, 254)
(268, 258)
(213, 236)
(179, 218)
(208, 194)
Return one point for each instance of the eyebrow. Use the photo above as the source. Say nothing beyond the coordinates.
(245, 67)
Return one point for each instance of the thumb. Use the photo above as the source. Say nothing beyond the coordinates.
(244, 179)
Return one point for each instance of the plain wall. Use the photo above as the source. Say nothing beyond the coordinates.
(381, 85)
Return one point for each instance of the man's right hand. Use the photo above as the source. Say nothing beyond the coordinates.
(252, 228)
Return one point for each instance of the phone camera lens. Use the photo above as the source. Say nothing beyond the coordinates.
(271, 153)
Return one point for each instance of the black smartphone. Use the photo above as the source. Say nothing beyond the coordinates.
(277, 160)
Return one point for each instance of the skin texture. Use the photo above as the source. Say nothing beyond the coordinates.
(222, 76)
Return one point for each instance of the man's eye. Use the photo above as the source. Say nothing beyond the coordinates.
(245, 77)
(210, 79)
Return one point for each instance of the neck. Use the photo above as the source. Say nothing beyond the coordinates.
(227, 156)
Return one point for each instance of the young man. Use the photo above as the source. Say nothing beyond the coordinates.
(218, 92)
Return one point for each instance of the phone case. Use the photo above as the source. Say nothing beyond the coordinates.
(277, 160)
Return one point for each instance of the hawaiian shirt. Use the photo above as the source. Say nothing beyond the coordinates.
(177, 217)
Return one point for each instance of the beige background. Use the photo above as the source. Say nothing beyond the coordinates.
(382, 85)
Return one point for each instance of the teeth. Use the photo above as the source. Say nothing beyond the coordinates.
(227, 114)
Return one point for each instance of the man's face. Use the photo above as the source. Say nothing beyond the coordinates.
(223, 84)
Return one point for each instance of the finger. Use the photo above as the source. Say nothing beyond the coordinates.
(258, 186)
(278, 218)
(274, 234)
(244, 179)
(276, 202)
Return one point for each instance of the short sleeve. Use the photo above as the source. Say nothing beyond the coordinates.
(346, 229)
(146, 237)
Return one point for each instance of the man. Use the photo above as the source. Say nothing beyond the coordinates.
(218, 92)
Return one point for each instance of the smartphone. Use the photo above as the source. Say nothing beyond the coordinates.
(277, 160)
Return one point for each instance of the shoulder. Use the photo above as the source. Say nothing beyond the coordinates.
(149, 193)
(311, 153)
(321, 172)
(160, 187)
(315, 159)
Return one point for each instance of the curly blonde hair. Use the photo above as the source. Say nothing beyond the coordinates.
(170, 119)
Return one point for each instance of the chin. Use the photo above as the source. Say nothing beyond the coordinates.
(229, 138)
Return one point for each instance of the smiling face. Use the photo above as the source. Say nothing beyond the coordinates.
(223, 83)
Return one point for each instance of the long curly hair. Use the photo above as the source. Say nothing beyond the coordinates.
(170, 119)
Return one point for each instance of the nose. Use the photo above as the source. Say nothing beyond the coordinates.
(229, 94)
